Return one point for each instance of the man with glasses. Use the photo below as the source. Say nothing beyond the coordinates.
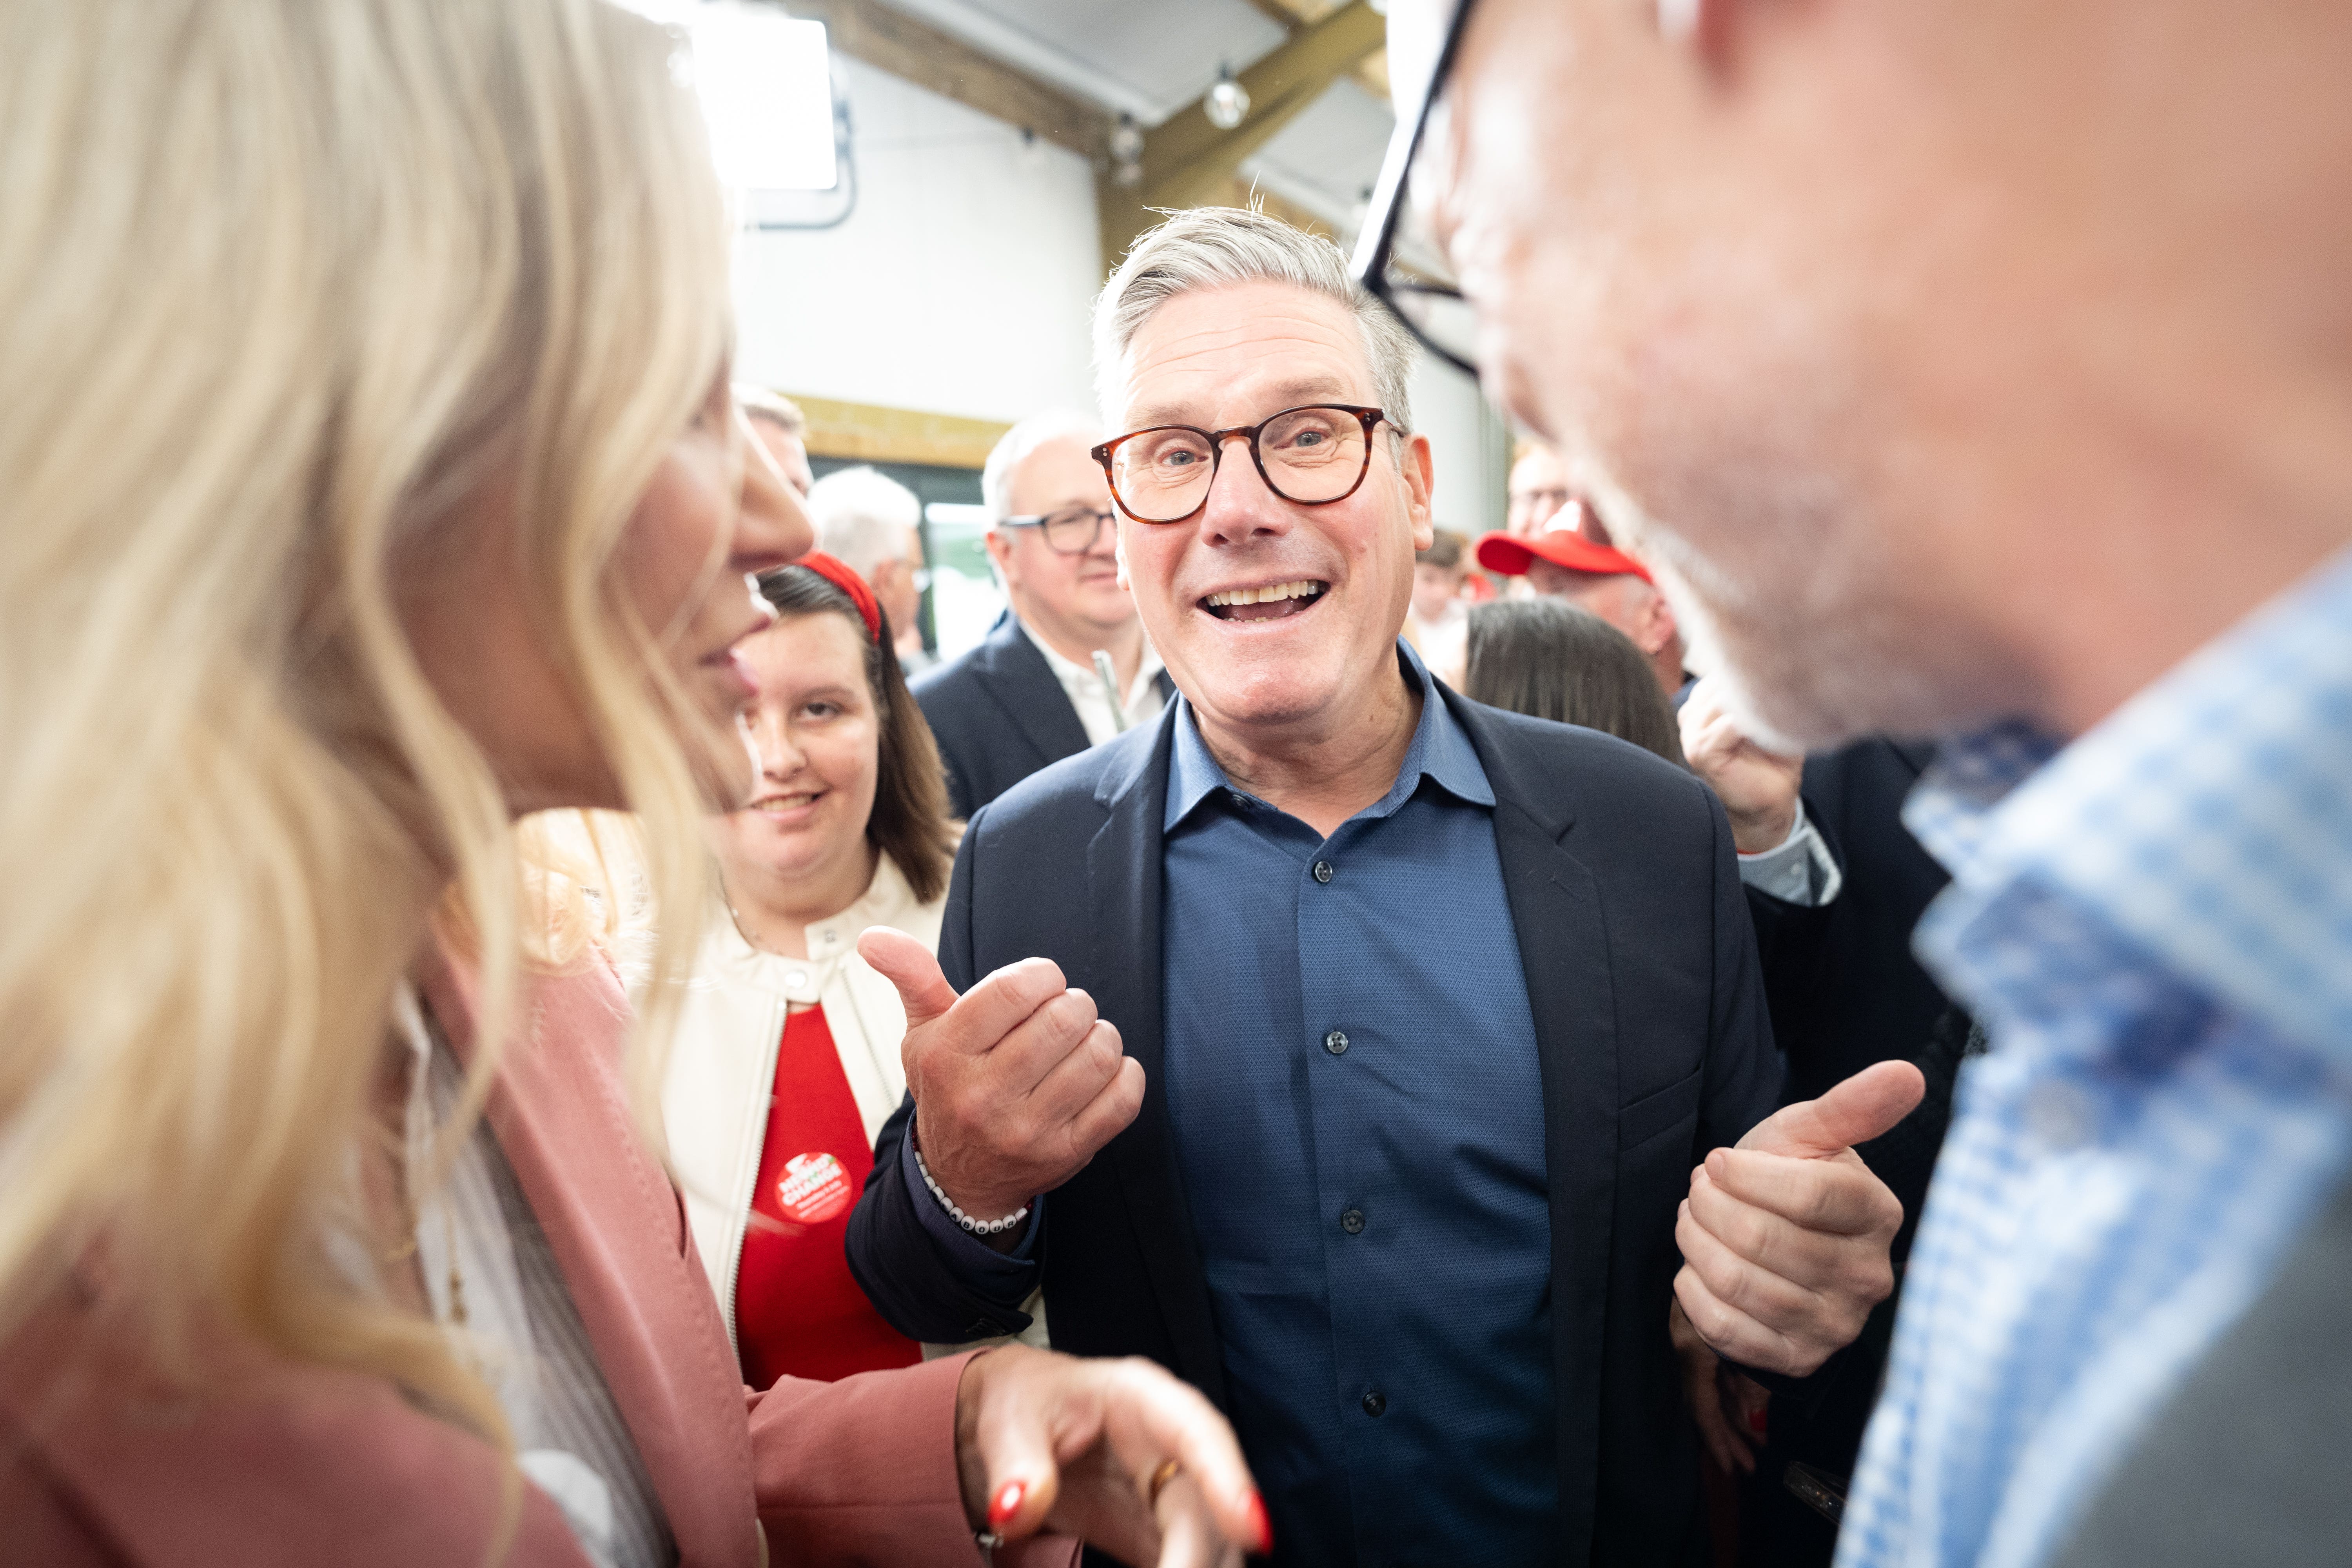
(1406, 1207)
(1537, 493)
(1067, 665)
(1844, 313)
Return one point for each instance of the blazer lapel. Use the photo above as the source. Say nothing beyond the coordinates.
(1023, 683)
(1563, 940)
(1123, 891)
(618, 1233)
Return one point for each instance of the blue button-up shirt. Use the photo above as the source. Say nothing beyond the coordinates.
(1353, 1081)
(2155, 925)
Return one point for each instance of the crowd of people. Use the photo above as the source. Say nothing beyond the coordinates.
(559, 1033)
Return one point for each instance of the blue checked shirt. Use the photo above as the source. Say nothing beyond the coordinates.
(2154, 925)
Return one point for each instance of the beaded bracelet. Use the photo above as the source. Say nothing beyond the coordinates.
(975, 1227)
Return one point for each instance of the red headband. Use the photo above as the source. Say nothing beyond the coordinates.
(836, 571)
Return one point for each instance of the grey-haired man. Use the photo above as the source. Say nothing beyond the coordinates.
(1407, 1208)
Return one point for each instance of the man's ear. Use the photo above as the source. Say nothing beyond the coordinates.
(1420, 487)
(1659, 627)
(1000, 550)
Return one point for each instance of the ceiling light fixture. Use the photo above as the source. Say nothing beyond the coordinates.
(1126, 152)
(1127, 139)
(1228, 103)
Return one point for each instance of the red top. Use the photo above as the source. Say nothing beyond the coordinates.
(798, 1312)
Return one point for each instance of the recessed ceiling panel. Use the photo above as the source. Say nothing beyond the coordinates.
(1327, 158)
(1147, 58)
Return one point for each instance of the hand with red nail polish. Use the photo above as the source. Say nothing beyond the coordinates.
(1048, 1442)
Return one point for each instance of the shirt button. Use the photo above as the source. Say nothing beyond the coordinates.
(1322, 870)
(1239, 798)
(796, 977)
(1336, 1043)
(1375, 1402)
(1352, 1222)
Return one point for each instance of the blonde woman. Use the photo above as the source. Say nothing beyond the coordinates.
(370, 481)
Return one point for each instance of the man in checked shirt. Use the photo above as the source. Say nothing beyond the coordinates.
(1984, 372)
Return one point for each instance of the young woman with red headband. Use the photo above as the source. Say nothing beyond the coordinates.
(786, 1058)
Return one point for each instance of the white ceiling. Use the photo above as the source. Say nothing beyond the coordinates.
(1326, 158)
(1145, 58)
(1151, 58)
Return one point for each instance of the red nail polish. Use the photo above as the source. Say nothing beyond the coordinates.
(1261, 1525)
(1756, 1422)
(1007, 1503)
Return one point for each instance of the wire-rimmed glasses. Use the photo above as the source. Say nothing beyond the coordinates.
(1313, 455)
(1068, 531)
(1395, 258)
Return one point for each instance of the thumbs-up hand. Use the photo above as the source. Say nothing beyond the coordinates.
(1784, 1237)
(1016, 1083)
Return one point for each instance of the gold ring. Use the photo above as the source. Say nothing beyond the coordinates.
(1159, 1479)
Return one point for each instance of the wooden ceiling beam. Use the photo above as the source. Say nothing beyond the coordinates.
(1188, 162)
(1188, 148)
(914, 51)
(1277, 13)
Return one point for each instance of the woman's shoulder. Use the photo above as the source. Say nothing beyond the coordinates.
(305, 1463)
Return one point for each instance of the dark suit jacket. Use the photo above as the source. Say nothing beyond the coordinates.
(1649, 1014)
(1844, 989)
(999, 715)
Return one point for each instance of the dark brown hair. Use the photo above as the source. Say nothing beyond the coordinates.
(910, 822)
(1446, 551)
(1549, 658)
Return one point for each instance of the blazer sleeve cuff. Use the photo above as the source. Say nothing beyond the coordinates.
(1002, 1276)
(863, 1472)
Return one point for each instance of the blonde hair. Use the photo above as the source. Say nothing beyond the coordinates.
(286, 285)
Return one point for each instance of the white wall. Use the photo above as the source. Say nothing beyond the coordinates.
(1469, 446)
(961, 283)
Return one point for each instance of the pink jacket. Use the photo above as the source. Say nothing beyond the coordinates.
(301, 1465)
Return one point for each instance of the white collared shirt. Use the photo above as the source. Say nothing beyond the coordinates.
(1092, 699)
(1798, 870)
(492, 1282)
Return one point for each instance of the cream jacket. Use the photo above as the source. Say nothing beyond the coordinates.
(723, 1063)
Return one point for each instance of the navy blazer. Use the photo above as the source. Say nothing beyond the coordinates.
(1843, 987)
(1641, 976)
(999, 715)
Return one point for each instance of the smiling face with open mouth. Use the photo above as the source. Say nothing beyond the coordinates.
(1275, 618)
(819, 741)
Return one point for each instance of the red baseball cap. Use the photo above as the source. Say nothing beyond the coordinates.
(1563, 547)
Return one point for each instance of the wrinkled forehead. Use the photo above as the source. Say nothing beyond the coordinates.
(1235, 353)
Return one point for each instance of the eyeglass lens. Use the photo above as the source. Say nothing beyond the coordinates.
(1074, 532)
(1308, 455)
